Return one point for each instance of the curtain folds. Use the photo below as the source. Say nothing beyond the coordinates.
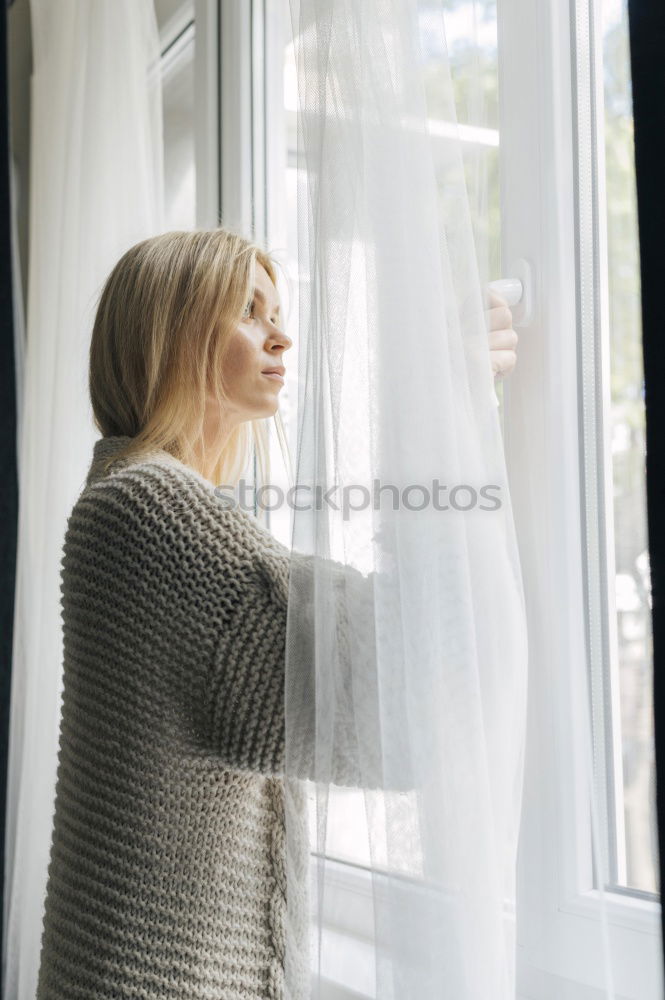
(96, 188)
(397, 416)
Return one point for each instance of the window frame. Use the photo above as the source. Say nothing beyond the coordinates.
(546, 219)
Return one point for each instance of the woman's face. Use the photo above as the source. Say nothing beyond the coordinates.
(256, 345)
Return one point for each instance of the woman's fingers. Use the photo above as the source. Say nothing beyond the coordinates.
(503, 361)
(500, 318)
(502, 338)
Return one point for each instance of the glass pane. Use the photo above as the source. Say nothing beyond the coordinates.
(285, 189)
(472, 47)
(179, 168)
(471, 34)
(636, 843)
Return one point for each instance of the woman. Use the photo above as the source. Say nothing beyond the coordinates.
(166, 876)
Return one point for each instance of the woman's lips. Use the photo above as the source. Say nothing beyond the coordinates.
(274, 375)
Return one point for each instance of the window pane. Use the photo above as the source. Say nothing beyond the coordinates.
(472, 56)
(471, 33)
(178, 103)
(636, 844)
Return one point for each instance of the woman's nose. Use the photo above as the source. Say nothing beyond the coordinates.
(279, 337)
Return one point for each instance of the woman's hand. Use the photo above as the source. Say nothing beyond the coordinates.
(502, 337)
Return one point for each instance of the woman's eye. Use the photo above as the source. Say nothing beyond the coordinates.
(249, 309)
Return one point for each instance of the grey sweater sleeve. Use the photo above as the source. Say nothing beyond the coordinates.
(246, 688)
(211, 586)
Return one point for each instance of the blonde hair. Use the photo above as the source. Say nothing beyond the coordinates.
(163, 321)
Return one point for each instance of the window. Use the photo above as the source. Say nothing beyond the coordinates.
(574, 436)
(469, 39)
(176, 27)
(551, 131)
(632, 836)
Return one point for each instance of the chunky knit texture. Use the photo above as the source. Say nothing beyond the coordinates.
(167, 876)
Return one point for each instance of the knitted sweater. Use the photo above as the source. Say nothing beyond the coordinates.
(166, 876)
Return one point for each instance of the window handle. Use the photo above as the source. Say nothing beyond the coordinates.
(517, 291)
(510, 289)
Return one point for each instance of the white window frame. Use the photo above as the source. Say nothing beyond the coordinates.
(239, 101)
(548, 219)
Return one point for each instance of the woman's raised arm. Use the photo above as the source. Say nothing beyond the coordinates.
(245, 691)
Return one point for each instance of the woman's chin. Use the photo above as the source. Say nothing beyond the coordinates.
(267, 407)
(271, 406)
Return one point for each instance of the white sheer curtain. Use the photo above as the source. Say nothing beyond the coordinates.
(96, 188)
(407, 646)
(396, 390)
